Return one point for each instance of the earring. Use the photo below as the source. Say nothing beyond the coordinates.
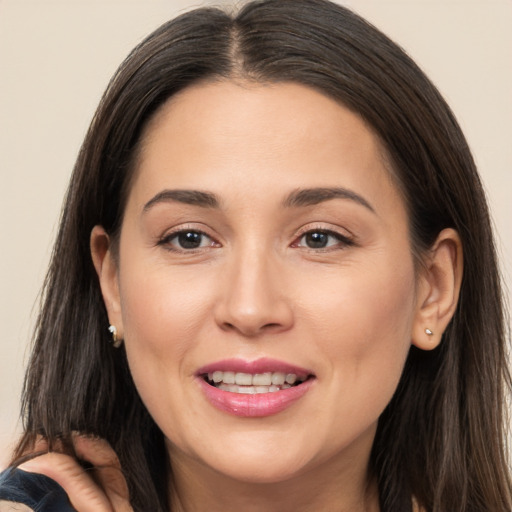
(116, 342)
(428, 332)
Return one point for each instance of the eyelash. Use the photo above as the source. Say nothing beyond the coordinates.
(342, 241)
(166, 240)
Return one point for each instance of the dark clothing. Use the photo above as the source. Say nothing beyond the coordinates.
(39, 492)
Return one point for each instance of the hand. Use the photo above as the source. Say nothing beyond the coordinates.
(101, 489)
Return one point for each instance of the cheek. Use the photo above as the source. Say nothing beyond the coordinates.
(363, 327)
(370, 308)
(163, 309)
(164, 312)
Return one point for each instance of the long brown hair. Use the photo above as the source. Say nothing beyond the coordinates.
(442, 436)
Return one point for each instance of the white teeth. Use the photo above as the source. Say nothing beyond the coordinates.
(247, 390)
(291, 378)
(229, 387)
(243, 379)
(247, 383)
(228, 377)
(251, 390)
(262, 379)
(278, 378)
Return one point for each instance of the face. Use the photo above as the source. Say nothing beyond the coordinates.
(265, 287)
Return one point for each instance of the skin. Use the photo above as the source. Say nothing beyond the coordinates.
(348, 312)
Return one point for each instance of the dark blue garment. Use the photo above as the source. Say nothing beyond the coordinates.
(38, 492)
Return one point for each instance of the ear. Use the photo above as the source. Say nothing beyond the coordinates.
(438, 290)
(106, 268)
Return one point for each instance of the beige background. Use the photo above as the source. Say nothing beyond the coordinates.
(56, 57)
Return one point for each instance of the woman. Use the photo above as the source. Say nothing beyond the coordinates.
(269, 218)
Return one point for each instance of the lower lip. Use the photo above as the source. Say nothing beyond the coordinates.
(257, 405)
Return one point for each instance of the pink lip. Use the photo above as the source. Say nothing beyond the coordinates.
(257, 405)
(261, 365)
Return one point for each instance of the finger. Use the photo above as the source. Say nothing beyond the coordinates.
(84, 494)
(95, 450)
(41, 445)
(106, 467)
(36, 447)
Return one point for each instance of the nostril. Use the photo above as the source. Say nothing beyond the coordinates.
(228, 326)
(271, 326)
(252, 329)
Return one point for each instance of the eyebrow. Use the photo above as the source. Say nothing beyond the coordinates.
(192, 197)
(311, 196)
(296, 199)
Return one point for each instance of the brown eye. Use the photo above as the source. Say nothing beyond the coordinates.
(316, 240)
(319, 239)
(187, 240)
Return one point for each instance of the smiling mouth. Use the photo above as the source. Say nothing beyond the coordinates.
(253, 384)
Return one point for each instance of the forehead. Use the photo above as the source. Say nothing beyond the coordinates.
(248, 114)
(258, 137)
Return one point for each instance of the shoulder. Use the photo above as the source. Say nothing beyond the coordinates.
(23, 491)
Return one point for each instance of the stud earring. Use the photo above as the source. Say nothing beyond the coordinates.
(115, 341)
(428, 332)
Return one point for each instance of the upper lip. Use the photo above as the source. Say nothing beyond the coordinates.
(262, 365)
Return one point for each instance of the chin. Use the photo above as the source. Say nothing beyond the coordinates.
(255, 459)
(261, 472)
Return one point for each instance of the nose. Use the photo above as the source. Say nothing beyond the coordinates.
(254, 298)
